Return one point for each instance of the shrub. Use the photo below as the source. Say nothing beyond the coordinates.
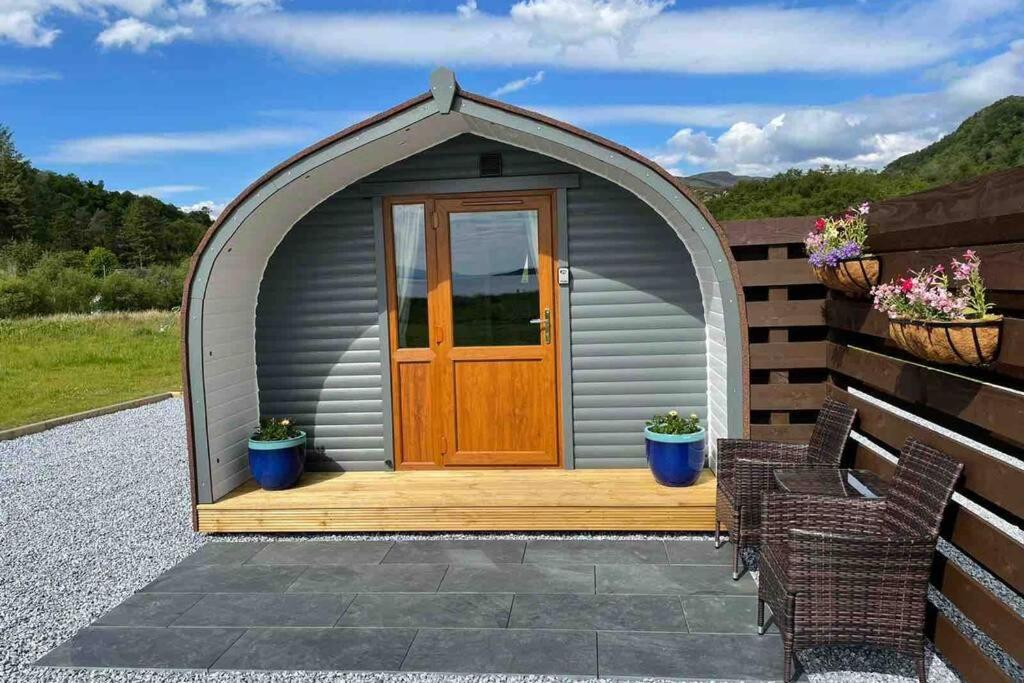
(19, 257)
(20, 297)
(66, 290)
(123, 291)
(101, 262)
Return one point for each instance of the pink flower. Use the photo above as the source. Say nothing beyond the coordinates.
(863, 209)
(906, 284)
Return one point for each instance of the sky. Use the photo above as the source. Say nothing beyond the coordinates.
(191, 100)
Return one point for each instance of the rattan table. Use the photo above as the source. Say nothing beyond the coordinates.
(827, 481)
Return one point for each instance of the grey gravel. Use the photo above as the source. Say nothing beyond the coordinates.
(93, 511)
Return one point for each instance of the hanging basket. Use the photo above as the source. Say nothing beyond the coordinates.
(854, 277)
(956, 342)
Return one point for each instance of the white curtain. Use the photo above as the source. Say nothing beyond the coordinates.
(410, 256)
(533, 257)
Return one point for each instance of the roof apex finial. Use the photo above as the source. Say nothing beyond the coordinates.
(443, 87)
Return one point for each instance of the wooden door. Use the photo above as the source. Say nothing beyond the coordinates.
(474, 368)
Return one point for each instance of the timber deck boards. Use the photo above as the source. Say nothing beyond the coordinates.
(468, 500)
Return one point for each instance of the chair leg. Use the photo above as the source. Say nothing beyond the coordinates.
(788, 663)
(718, 531)
(919, 663)
(736, 559)
(760, 617)
(735, 537)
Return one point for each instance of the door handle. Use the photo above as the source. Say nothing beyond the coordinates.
(545, 324)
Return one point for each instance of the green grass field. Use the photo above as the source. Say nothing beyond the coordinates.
(63, 364)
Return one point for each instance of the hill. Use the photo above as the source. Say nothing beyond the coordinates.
(714, 180)
(990, 140)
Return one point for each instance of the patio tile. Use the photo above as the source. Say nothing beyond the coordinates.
(598, 612)
(568, 653)
(371, 578)
(457, 552)
(514, 578)
(698, 552)
(267, 609)
(318, 649)
(595, 552)
(680, 655)
(322, 552)
(674, 579)
(151, 648)
(723, 614)
(149, 609)
(225, 578)
(436, 610)
(223, 552)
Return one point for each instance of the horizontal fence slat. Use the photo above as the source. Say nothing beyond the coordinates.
(787, 355)
(972, 232)
(984, 476)
(968, 659)
(797, 433)
(804, 313)
(762, 231)
(994, 194)
(786, 396)
(1001, 265)
(776, 273)
(988, 406)
(981, 606)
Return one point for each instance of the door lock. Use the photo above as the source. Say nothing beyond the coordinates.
(545, 324)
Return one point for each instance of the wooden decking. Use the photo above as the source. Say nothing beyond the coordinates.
(468, 500)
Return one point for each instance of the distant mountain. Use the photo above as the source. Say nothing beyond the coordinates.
(714, 180)
(990, 140)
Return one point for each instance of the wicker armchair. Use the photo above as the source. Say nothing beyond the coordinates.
(745, 472)
(855, 571)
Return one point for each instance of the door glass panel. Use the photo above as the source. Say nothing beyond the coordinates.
(411, 275)
(495, 291)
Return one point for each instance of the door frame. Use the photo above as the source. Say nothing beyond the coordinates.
(396, 356)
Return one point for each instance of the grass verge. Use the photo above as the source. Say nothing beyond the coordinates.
(63, 364)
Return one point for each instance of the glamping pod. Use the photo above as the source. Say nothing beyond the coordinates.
(457, 285)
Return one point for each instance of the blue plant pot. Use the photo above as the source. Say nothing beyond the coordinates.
(277, 465)
(675, 459)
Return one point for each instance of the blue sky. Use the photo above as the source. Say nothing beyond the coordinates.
(190, 100)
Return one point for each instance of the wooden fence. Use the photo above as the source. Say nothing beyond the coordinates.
(975, 415)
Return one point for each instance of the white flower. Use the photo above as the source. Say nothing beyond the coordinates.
(673, 413)
(693, 416)
(285, 422)
(864, 208)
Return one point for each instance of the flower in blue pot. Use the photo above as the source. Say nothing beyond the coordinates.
(675, 448)
(277, 453)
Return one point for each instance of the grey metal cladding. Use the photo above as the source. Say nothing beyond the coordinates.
(637, 324)
(318, 345)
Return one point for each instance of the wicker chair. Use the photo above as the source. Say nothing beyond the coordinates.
(745, 472)
(855, 571)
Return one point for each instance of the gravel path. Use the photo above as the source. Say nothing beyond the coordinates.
(91, 512)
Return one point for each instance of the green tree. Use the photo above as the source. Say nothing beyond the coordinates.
(14, 223)
(140, 230)
(101, 262)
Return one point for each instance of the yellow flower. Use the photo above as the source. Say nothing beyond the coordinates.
(673, 413)
(693, 416)
(285, 422)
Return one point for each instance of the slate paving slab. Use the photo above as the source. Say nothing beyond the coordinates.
(698, 552)
(457, 552)
(595, 552)
(223, 553)
(225, 578)
(723, 614)
(149, 609)
(670, 579)
(440, 610)
(598, 612)
(318, 649)
(511, 578)
(266, 609)
(567, 653)
(680, 655)
(322, 552)
(152, 648)
(371, 578)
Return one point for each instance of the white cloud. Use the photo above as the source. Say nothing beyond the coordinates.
(22, 27)
(864, 133)
(12, 75)
(467, 10)
(210, 206)
(160, 191)
(139, 35)
(576, 22)
(133, 147)
(592, 34)
(518, 84)
(251, 6)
